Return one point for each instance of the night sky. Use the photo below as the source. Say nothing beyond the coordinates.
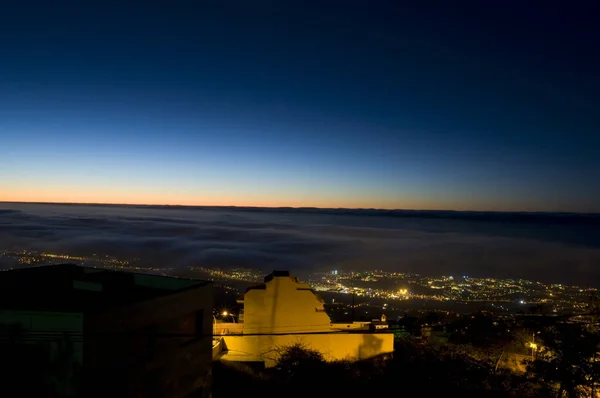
(416, 105)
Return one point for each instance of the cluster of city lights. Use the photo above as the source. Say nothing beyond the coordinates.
(369, 284)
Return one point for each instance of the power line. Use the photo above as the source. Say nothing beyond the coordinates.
(166, 335)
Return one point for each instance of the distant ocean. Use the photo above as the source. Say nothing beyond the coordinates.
(552, 247)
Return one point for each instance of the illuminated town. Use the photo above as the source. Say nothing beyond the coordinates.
(491, 321)
(32, 257)
(465, 289)
(372, 287)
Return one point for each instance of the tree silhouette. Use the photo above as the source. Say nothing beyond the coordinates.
(415, 369)
(299, 361)
(567, 357)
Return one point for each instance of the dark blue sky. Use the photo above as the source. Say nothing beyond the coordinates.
(482, 105)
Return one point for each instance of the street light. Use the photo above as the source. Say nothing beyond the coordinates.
(227, 314)
(533, 346)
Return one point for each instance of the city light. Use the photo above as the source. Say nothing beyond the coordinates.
(378, 284)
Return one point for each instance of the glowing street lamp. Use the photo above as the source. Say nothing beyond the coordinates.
(227, 314)
(533, 346)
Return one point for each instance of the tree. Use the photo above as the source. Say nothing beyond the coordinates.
(481, 337)
(450, 370)
(298, 361)
(566, 357)
(415, 369)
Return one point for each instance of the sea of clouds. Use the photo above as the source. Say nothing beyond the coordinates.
(553, 248)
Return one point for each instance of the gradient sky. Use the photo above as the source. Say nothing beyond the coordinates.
(271, 103)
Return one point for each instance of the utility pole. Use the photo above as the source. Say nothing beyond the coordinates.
(593, 377)
(352, 288)
(532, 346)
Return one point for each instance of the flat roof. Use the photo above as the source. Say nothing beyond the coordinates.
(74, 288)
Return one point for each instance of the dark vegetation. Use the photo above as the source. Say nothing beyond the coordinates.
(467, 363)
(466, 360)
(415, 368)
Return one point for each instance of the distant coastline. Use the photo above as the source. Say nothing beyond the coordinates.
(472, 215)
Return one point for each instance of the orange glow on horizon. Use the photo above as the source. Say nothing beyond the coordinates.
(244, 199)
(242, 196)
(248, 199)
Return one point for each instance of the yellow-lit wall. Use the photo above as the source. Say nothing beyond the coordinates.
(217, 348)
(285, 306)
(280, 314)
(333, 346)
(228, 328)
(350, 326)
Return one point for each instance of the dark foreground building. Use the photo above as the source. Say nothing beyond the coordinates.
(67, 330)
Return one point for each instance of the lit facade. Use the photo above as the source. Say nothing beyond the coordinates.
(282, 312)
(283, 305)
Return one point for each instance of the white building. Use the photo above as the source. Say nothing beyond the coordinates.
(282, 312)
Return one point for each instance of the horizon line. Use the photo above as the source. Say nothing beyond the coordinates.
(300, 207)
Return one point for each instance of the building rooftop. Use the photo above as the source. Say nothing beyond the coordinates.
(270, 277)
(69, 287)
(276, 273)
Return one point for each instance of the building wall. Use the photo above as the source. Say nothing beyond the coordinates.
(350, 326)
(160, 347)
(217, 348)
(333, 346)
(284, 306)
(48, 321)
(59, 338)
(221, 328)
